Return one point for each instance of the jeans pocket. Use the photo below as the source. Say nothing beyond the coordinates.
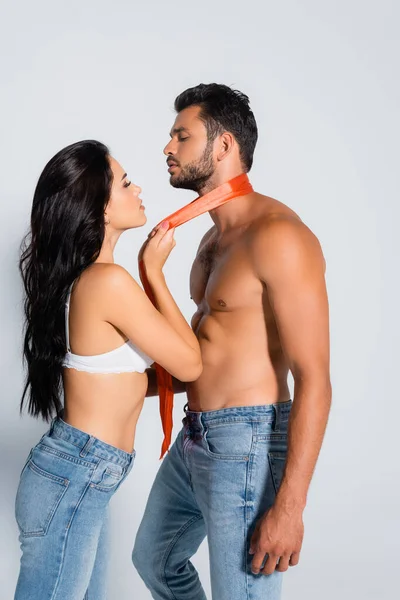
(38, 497)
(231, 441)
(277, 462)
(108, 476)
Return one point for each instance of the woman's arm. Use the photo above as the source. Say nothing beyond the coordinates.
(165, 340)
(179, 387)
(154, 253)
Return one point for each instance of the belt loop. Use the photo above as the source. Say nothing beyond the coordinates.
(52, 424)
(201, 422)
(86, 448)
(276, 418)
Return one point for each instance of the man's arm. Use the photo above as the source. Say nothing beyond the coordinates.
(289, 262)
(152, 389)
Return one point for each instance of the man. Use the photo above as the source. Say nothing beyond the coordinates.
(240, 469)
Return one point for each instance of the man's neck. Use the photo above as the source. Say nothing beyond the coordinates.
(233, 213)
(218, 178)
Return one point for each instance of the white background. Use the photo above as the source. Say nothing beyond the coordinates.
(323, 79)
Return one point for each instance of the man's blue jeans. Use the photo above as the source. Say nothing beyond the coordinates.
(219, 478)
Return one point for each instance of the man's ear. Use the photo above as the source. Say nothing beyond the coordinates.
(226, 142)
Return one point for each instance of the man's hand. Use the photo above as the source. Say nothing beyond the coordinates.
(279, 533)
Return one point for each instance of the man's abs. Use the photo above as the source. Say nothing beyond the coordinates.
(243, 364)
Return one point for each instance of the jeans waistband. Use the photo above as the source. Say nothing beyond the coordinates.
(273, 413)
(89, 444)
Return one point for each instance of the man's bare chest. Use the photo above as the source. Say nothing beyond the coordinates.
(222, 276)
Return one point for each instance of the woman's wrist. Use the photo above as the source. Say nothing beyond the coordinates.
(155, 275)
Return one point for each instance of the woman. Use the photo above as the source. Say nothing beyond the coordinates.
(91, 332)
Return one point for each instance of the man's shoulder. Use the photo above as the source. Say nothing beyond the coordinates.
(277, 222)
(279, 235)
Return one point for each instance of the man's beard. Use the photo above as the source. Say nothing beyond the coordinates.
(194, 176)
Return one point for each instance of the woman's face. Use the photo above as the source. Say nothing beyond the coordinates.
(124, 209)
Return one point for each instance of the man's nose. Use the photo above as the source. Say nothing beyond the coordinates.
(169, 148)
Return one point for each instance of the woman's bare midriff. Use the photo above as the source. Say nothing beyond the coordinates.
(105, 405)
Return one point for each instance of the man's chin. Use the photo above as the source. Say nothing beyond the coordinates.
(179, 183)
(172, 180)
(184, 183)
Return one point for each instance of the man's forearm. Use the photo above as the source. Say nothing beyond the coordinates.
(307, 424)
(152, 389)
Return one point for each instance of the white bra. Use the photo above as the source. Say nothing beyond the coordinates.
(124, 359)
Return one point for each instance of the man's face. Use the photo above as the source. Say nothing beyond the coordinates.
(189, 153)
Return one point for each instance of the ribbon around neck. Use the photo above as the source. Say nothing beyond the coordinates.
(239, 186)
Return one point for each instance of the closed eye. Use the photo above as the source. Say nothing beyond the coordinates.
(127, 183)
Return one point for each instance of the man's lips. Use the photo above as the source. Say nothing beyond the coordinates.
(171, 166)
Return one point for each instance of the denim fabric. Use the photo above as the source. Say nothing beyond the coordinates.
(219, 478)
(61, 511)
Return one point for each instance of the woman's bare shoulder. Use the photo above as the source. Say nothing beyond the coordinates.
(104, 279)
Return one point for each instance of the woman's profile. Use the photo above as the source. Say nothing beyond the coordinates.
(90, 334)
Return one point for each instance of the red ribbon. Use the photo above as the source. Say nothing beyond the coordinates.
(239, 186)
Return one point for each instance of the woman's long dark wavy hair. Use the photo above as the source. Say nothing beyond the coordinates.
(66, 234)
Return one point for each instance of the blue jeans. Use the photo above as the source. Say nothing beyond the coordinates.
(219, 478)
(61, 509)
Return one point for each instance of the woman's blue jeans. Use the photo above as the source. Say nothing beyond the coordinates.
(61, 510)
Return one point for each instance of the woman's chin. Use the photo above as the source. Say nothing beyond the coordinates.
(140, 222)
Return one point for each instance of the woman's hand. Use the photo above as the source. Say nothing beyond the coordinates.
(157, 248)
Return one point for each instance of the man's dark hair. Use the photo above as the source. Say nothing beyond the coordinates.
(224, 109)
